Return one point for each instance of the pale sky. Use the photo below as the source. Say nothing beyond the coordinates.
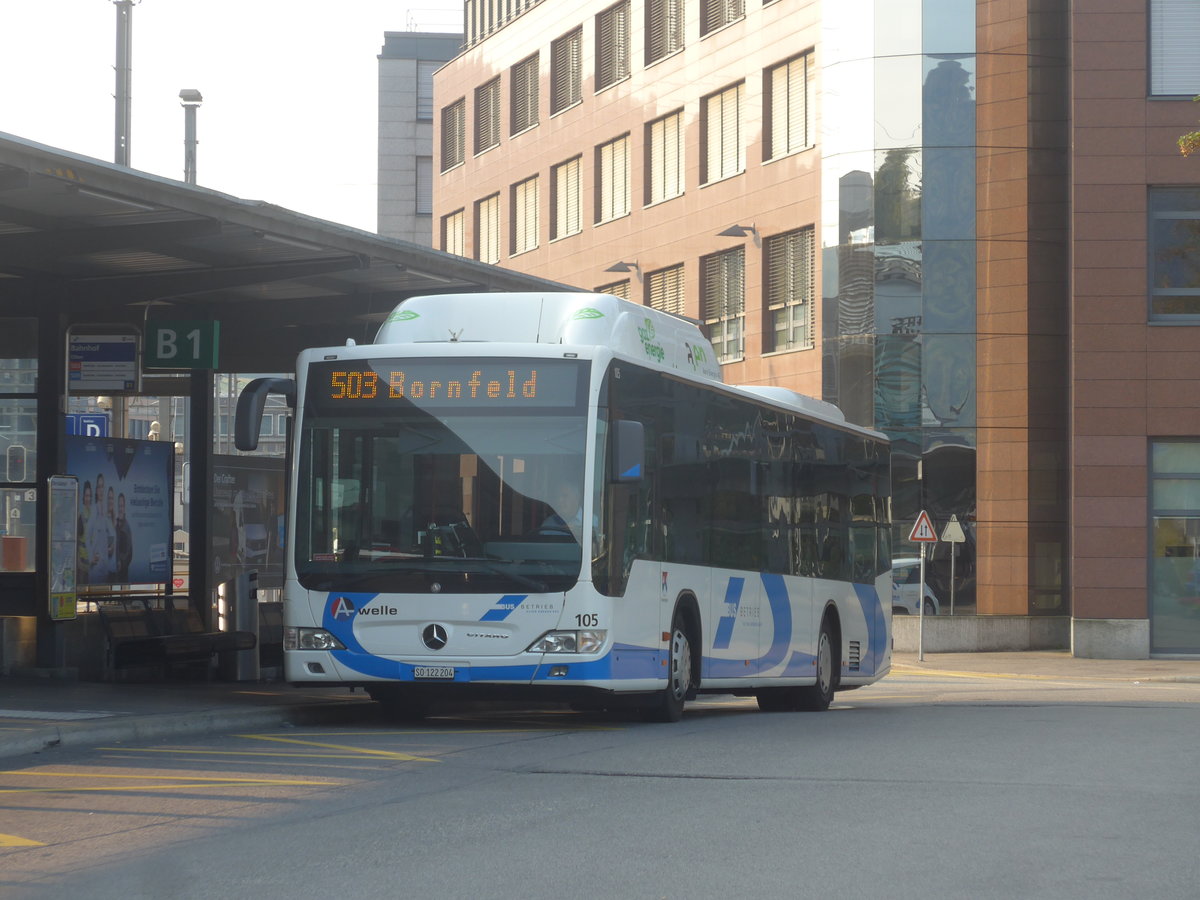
(290, 89)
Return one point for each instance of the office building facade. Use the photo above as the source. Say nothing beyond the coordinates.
(965, 222)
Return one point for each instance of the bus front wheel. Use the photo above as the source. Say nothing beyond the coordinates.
(668, 704)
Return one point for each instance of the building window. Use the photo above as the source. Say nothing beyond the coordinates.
(787, 98)
(454, 233)
(566, 67)
(724, 154)
(565, 184)
(716, 14)
(723, 301)
(1174, 253)
(664, 28)
(425, 72)
(524, 215)
(664, 290)
(18, 442)
(612, 179)
(664, 166)
(1175, 537)
(424, 185)
(617, 289)
(487, 115)
(487, 229)
(612, 45)
(1174, 37)
(525, 94)
(789, 289)
(453, 134)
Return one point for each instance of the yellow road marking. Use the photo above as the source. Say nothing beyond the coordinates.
(944, 673)
(34, 773)
(11, 840)
(161, 782)
(384, 754)
(193, 751)
(434, 732)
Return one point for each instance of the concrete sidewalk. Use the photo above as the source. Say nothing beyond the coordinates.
(1057, 664)
(41, 713)
(38, 714)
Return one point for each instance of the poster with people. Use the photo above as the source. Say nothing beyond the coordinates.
(247, 503)
(125, 504)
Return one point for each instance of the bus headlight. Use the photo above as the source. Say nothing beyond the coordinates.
(310, 639)
(570, 641)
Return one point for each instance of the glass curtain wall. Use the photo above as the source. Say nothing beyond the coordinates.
(898, 243)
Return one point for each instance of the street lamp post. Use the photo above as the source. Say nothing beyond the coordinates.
(190, 99)
(124, 69)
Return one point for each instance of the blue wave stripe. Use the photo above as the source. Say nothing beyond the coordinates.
(733, 597)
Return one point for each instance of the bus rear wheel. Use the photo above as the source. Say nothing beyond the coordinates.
(818, 696)
(668, 703)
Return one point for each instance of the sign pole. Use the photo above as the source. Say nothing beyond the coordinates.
(922, 533)
(953, 534)
(921, 611)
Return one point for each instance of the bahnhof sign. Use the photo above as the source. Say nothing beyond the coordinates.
(115, 284)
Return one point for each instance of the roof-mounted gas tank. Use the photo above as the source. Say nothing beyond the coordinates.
(601, 320)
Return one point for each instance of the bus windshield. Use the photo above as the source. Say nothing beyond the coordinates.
(411, 494)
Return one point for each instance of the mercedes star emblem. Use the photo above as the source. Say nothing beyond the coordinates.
(434, 636)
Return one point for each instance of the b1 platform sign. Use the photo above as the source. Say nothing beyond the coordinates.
(922, 531)
(181, 345)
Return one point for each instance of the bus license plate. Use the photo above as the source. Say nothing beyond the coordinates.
(441, 673)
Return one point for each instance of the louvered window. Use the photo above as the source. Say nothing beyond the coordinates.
(664, 28)
(612, 45)
(487, 115)
(425, 72)
(789, 90)
(1174, 39)
(664, 169)
(524, 215)
(454, 233)
(566, 186)
(789, 289)
(724, 153)
(487, 229)
(424, 185)
(525, 94)
(716, 14)
(617, 289)
(566, 66)
(723, 301)
(612, 179)
(453, 134)
(664, 290)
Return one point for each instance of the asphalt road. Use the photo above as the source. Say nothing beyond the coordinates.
(923, 786)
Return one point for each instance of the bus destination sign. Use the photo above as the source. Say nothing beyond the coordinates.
(446, 383)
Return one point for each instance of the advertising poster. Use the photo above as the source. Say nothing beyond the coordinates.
(248, 518)
(64, 545)
(124, 521)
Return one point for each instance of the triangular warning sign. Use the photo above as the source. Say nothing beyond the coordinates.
(923, 530)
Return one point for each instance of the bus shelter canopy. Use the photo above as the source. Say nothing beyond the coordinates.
(101, 243)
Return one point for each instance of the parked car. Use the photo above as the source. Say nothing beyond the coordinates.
(906, 588)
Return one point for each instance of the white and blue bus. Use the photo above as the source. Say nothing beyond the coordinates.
(554, 497)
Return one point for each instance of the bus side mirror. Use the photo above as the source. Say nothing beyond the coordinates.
(628, 451)
(251, 402)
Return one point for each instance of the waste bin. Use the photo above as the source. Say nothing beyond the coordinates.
(240, 613)
(13, 553)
